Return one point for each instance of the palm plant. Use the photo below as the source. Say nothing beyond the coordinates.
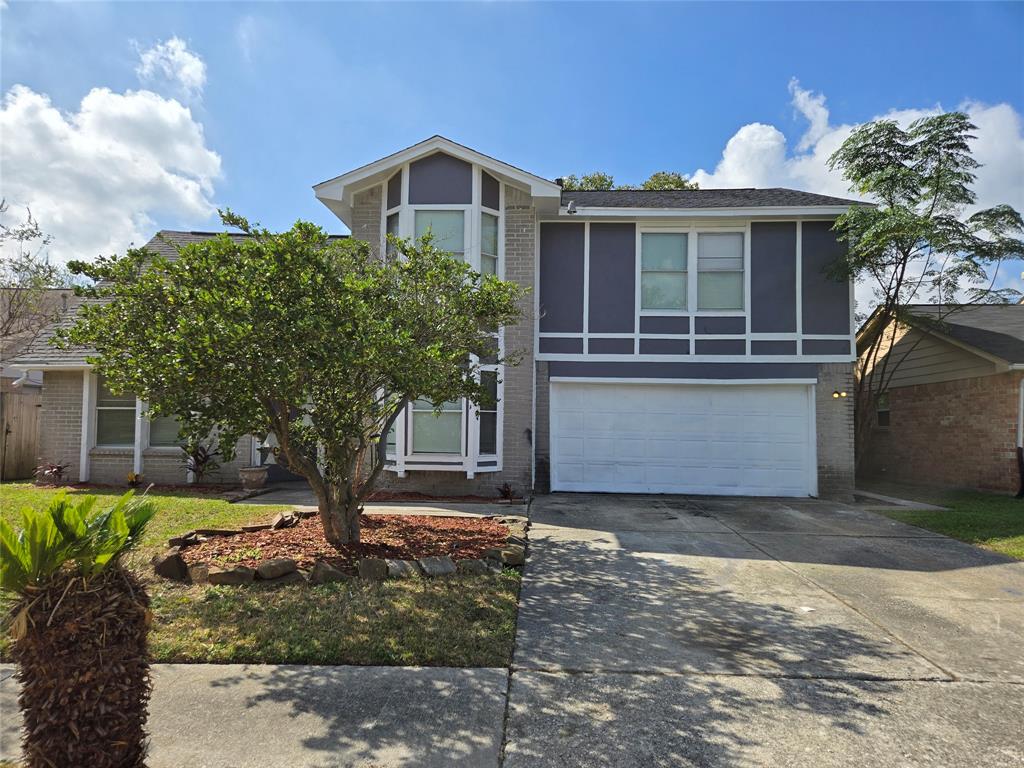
(79, 623)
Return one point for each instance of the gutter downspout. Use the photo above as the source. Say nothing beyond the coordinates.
(1020, 437)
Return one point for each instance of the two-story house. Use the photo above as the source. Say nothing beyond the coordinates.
(672, 341)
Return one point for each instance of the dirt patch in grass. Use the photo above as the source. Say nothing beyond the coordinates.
(401, 537)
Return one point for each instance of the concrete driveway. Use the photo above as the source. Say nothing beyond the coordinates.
(658, 631)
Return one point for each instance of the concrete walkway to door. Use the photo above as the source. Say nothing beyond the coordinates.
(668, 631)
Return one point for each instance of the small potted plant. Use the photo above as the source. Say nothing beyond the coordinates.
(253, 477)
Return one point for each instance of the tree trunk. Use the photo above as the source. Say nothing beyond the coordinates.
(339, 514)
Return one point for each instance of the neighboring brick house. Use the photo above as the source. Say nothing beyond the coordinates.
(672, 342)
(951, 414)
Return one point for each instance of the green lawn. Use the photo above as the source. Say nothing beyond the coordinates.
(458, 621)
(986, 520)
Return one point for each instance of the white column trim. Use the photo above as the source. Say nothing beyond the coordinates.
(88, 388)
(137, 447)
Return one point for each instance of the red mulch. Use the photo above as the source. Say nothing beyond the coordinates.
(402, 537)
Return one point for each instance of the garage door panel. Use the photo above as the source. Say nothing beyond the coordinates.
(644, 438)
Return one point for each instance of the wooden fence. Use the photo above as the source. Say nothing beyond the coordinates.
(19, 431)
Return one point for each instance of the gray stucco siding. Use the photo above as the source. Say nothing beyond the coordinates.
(561, 278)
(633, 369)
(669, 324)
(720, 347)
(610, 346)
(612, 278)
(561, 346)
(720, 325)
(664, 346)
(772, 347)
(395, 191)
(773, 277)
(826, 302)
(490, 191)
(440, 179)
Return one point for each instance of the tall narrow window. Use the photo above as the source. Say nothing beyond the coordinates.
(720, 270)
(662, 270)
(439, 432)
(489, 414)
(488, 244)
(115, 418)
(163, 432)
(448, 228)
(391, 229)
(882, 409)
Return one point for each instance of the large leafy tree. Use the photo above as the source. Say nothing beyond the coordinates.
(600, 180)
(917, 244)
(313, 339)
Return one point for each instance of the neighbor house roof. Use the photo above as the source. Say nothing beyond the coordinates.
(994, 329)
(773, 197)
(40, 353)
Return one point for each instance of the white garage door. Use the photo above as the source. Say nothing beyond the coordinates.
(747, 440)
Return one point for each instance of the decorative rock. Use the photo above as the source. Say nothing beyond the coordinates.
(232, 576)
(199, 573)
(510, 554)
(217, 532)
(324, 573)
(517, 541)
(473, 567)
(171, 565)
(402, 569)
(273, 569)
(304, 513)
(283, 520)
(517, 530)
(293, 577)
(185, 538)
(514, 520)
(437, 566)
(372, 569)
(256, 528)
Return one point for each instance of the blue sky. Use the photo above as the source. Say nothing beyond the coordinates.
(295, 93)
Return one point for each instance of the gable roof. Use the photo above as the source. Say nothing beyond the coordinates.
(40, 353)
(774, 197)
(996, 330)
(336, 193)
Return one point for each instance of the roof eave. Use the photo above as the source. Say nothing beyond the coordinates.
(747, 211)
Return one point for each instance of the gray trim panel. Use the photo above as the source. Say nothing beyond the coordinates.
(720, 325)
(773, 277)
(440, 179)
(610, 346)
(395, 191)
(670, 324)
(557, 346)
(490, 191)
(612, 278)
(826, 302)
(561, 278)
(664, 346)
(772, 347)
(826, 347)
(720, 347)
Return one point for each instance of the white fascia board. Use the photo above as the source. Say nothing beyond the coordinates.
(666, 213)
(30, 366)
(341, 189)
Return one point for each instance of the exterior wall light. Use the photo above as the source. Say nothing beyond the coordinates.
(837, 394)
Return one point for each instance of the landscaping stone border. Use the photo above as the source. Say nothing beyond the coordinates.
(171, 565)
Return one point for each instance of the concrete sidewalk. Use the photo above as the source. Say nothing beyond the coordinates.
(253, 716)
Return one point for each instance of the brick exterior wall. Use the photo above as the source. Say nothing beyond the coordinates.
(366, 214)
(517, 445)
(60, 438)
(956, 434)
(835, 425)
(542, 483)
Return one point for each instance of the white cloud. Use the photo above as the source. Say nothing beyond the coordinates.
(247, 34)
(96, 178)
(758, 155)
(173, 63)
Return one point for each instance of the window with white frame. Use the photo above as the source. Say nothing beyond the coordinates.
(115, 418)
(448, 228)
(390, 228)
(437, 430)
(663, 258)
(488, 244)
(489, 413)
(163, 432)
(720, 270)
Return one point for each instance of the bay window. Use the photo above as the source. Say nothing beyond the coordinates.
(448, 228)
(720, 270)
(663, 258)
(115, 418)
(437, 430)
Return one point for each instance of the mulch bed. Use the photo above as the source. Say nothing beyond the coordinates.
(400, 537)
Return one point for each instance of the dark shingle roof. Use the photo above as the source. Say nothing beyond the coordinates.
(997, 329)
(701, 198)
(41, 352)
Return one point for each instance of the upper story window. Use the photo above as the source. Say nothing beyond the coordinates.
(115, 418)
(720, 270)
(663, 257)
(488, 244)
(448, 228)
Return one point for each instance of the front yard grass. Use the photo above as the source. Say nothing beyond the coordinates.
(456, 621)
(986, 520)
